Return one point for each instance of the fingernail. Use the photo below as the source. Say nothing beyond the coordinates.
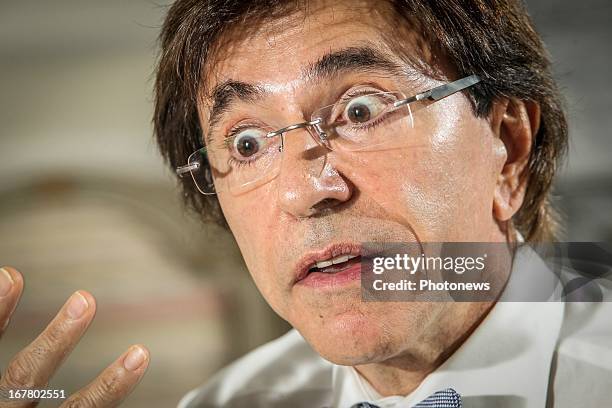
(77, 306)
(135, 358)
(6, 282)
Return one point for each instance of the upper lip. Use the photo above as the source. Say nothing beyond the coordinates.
(331, 251)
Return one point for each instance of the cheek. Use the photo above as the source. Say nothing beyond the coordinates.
(454, 178)
(441, 185)
(250, 219)
(253, 223)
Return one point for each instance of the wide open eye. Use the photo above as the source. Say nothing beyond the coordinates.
(365, 108)
(247, 143)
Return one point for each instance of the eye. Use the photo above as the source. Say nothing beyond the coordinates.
(247, 143)
(364, 109)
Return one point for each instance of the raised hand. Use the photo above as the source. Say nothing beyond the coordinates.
(32, 367)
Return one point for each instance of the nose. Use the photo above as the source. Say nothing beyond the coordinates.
(309, 184)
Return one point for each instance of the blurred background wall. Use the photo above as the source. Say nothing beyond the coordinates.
(85, 202)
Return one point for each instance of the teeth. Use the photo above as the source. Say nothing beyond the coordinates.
(340, 259)
(323, 264)
(334, 261)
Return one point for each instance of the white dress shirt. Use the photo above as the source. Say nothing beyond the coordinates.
(523, 355)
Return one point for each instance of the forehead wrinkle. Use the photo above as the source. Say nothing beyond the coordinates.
(279, 87)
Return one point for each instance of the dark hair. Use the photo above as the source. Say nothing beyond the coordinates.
(494, 39)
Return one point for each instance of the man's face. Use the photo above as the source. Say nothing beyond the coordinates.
(438, 187)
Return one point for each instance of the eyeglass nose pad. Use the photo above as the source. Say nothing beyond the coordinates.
(321, 134)
(318, 134)
(281, 146)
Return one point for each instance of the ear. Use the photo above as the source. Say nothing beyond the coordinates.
(516, 123)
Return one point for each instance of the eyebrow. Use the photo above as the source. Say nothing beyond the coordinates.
(364, 59)
(360, 59)
(226, 93)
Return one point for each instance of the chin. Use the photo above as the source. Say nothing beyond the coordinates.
(351, 338)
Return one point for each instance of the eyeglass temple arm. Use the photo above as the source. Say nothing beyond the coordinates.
(182, 170)
(442, 91)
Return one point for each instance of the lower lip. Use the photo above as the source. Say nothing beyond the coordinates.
(329, 280)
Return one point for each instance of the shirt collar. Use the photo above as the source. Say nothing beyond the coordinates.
(505, 362)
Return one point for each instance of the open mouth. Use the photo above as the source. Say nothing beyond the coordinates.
(330, 264)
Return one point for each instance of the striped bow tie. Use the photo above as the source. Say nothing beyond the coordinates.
(447, 398)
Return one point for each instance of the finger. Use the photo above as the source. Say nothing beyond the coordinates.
(11, 286)
(33, 366)
(114, 383)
